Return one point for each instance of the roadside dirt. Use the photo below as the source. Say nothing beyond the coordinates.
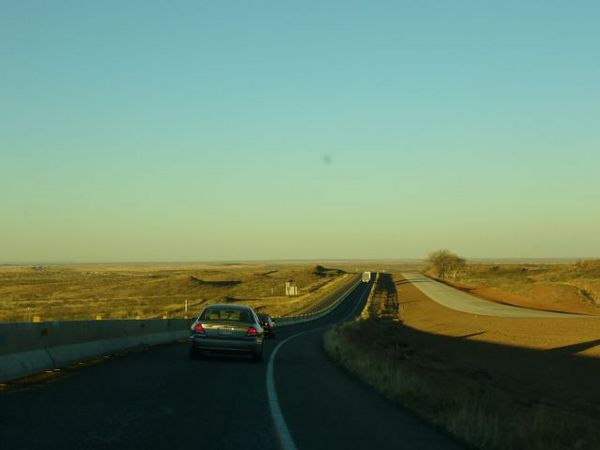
(494, 383)
(557, 298)
(550, 361)
(571, 288)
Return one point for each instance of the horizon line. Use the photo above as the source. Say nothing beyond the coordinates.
(293, 260)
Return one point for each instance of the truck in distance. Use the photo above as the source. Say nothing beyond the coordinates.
(366, 277)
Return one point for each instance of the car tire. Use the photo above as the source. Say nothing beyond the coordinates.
(193, 354)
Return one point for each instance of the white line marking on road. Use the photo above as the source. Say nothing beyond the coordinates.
(287, 443)
(281, 428)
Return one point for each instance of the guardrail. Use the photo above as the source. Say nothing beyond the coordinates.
(28, 348)
(336, 298)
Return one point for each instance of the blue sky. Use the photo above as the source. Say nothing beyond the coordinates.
(189, 130)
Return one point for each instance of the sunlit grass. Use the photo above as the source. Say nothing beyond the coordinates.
(147, 291)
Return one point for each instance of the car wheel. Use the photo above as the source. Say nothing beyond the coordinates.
(193, 354)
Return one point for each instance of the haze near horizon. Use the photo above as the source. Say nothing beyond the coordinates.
(195, 131)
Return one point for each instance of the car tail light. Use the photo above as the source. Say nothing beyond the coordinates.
(198, 328)
(251, 332)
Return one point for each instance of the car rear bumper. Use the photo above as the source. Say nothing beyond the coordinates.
(248, 345)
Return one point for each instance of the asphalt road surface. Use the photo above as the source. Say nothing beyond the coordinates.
(160, 399)
(461, 301)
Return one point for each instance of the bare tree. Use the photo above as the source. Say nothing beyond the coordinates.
(446, 263)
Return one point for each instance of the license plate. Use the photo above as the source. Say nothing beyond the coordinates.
(225, 332)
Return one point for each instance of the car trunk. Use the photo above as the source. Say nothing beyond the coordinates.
(225, 329)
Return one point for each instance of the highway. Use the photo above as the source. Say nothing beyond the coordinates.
(160, 399)
(461, 301)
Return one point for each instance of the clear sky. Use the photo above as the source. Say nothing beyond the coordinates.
(230, 130)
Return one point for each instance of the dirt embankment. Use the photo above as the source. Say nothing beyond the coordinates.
(494, 382)
(571, 338)
(571, 288)
(552, 362)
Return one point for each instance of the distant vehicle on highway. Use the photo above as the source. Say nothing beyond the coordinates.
(366, 277)
(266, 321)
(229, 329)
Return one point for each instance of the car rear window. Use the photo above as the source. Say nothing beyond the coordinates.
(225, 314)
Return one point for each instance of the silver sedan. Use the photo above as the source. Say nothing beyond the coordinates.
(232, 329)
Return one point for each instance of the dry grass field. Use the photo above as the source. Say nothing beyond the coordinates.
(571, 288)
(83, 292)
(495, 383)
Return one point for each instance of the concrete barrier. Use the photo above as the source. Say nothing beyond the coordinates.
(28, 348)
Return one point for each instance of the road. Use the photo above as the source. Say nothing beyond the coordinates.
(461, 301)
(160, 399)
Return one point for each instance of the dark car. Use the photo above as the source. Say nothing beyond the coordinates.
(228, 329)
(266, 321)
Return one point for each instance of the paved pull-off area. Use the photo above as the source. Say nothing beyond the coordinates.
(160, 399)
(461, 301)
